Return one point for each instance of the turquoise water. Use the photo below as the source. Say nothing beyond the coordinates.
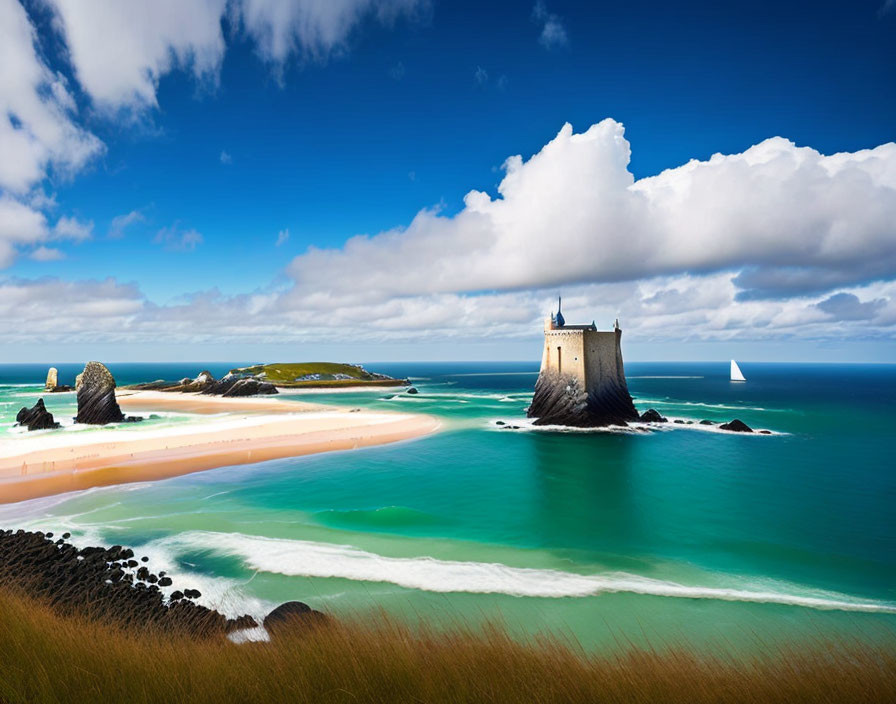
(617, 538)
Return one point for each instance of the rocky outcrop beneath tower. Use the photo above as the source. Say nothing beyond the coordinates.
(563, 400)
(582, 379)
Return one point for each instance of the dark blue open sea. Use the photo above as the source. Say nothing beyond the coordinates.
(680, 534)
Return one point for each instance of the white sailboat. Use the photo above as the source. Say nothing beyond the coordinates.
(736, 373)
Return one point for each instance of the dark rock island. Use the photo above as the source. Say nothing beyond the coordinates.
(96, 397)
(36, 418)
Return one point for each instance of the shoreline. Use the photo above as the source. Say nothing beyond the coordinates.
(249, 430)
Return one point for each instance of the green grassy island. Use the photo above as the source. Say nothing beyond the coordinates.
(317, 375)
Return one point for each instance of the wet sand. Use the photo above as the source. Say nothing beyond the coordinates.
(241, 431)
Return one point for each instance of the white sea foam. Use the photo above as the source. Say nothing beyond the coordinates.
(634, 428)
(228, 596)
(324, 560)
(423, 395)
(720, 406)
(249, 635)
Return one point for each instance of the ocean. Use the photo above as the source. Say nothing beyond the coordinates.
(680, 535)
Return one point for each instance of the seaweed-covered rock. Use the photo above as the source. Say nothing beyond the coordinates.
(96, 397)
(37, 417)
(737, 426)
(652, 416)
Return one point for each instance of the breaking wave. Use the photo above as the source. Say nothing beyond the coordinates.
(301, 558)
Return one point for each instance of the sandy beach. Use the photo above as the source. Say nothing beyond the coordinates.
(239, 431)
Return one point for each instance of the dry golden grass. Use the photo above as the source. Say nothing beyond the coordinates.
(45, 657)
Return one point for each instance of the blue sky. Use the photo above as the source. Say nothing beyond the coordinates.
(320, 126)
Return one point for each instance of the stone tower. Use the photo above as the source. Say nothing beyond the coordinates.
(582, 380)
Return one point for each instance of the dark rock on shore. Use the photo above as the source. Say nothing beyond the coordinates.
(205, 383)
(706, 422)
(293, 615)
(100, 583)
(239, 623)
(96, 397)
(241, 387)
(737, 426)
(652, 416)
(37, 417)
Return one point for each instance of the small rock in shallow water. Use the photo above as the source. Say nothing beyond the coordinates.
(706, 422)
(652, 416)
(737, 426)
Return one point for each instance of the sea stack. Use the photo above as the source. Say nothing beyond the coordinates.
(53, 385)
(36, 418)
(582, 379)
(96, 396)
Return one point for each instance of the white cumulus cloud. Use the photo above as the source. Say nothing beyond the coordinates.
(573, 213)
(38, 129)
(69, 228)
(121, 48)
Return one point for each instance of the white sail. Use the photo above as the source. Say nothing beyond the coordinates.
(736, 374)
